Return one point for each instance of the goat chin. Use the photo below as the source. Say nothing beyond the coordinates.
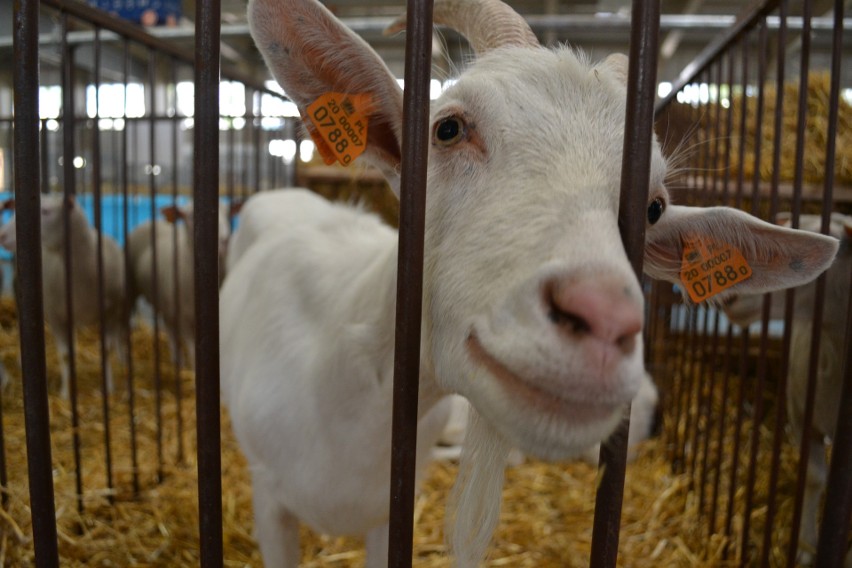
(474, 505)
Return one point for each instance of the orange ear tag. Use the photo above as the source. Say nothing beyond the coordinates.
(710, 267)
(339, 126)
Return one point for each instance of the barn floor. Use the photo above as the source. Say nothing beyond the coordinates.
(546, 519)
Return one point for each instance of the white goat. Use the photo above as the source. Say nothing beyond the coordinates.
(174, 248)
(745, 310)
(531, 309)
(84, 279)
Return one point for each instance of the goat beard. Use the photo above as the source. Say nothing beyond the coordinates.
(473, 510)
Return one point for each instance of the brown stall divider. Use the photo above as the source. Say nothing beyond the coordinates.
(409, 290)
(635, 178)
(31, 324)
(206, 220)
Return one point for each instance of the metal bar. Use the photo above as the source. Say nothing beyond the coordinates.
(562, 23)
(128, 337)
(98, 218)
(206, 264)
(176, 270)
(635, 179)
(781, 389)
(28, 256)
(409, 291)
(747, 19)
(798, 177)
(832, 541)
(138, 34)
(69, 189)
(764, 330)
(155, 267)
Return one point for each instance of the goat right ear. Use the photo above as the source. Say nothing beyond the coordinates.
(311, 53)
(172, 213)
(9, 205)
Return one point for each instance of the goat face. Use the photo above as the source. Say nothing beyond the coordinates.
(535, 311)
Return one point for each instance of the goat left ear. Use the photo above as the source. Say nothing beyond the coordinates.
(778, 257)
(617, 64)
(311, 53)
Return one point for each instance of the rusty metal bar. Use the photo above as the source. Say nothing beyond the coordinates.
(409, 290)
(760, 379)
(155, 267)
(635, 178)
(131, 396)
(798, 177)
(206, 264)
(28, 255)
(69, 189)
(781, 388)
(834, 530)
(744, 343)
(176, 262)
(138, 35)
(745, 21)
(98, 218)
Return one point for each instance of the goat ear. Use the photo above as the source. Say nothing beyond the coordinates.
(9, 205)
(172, 213)
(779, 257)
(235, 207)
(311, 53)
(617, 64)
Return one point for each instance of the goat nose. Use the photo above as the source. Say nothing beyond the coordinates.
(597, 308)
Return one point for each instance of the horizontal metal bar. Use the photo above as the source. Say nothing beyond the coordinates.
(540, 23)
(115, 28)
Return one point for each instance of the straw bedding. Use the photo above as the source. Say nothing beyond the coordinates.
(546, 519)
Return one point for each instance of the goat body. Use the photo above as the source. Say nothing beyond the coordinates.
(745, 310)
(84, 279)
(531, 309)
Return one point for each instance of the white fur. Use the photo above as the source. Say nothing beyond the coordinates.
(521, 217)
(84, 280)
(642, 412)
(745, 310)
(175, 307)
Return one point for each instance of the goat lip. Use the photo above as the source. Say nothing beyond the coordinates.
(535, 396)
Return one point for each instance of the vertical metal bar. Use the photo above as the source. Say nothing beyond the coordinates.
(69, 188)
(724, 200)
(28, 234)
(257, 114)
(760, 379)
(176, 271)
(131, 396)
(708, 373)
(834, 530)
(798, 179)
(781, 388)
(734, 480)
(155, 281)
(635, 178)
(409, 291)
(206, 264)
(29, 271)
(98, 214)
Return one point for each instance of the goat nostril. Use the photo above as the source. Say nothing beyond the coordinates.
(572, 321)
(626, 343)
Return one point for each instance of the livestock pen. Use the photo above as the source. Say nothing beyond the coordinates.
(147, 475)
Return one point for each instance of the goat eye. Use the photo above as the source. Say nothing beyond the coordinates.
(449, 131)
(655, 210)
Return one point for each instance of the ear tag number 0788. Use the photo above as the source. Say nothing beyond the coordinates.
(710, 267)
(339, 126)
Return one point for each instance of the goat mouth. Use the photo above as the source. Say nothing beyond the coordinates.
(540, 399)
